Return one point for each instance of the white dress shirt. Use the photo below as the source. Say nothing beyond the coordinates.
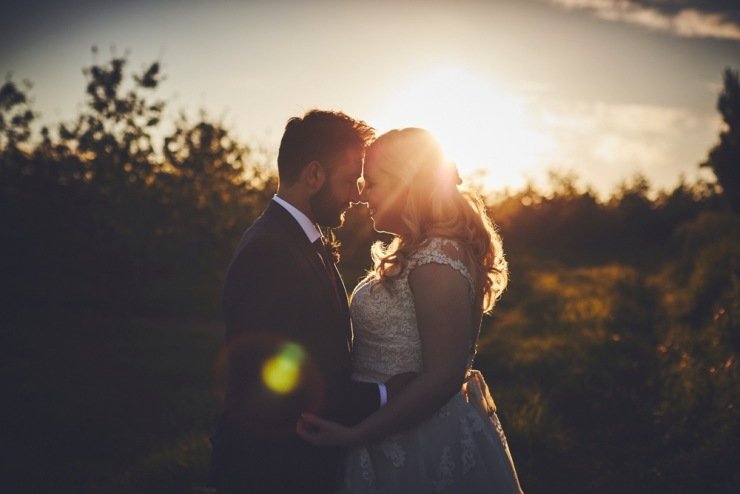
(307, 225)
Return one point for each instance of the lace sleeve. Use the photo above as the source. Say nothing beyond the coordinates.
(443, 251)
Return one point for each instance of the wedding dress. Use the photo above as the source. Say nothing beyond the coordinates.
(461, 448)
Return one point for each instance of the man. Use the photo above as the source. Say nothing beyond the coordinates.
(288, 329)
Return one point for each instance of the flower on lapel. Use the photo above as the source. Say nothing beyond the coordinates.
(333, 244)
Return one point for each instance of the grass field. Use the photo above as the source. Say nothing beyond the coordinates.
(101, 405)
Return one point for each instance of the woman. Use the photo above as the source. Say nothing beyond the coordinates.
(420, 310)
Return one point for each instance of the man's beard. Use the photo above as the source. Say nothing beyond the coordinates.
(325, 210)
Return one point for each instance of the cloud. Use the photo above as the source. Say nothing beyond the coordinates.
(606, 143)
(708, 20)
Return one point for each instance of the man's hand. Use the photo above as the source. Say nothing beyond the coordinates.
(320, 432)
(395, 384)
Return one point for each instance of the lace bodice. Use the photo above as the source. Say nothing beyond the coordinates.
(461, 447)
(384, 316)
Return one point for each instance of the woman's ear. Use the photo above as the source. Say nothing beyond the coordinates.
(314, 175)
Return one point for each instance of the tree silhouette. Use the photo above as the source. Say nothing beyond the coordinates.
(724, 157)
(16, 116)
(142, 219)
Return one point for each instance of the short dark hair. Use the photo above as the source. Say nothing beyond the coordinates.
(317, 136)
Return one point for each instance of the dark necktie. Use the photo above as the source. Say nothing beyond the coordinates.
(328, 261)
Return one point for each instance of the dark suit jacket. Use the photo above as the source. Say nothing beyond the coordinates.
(279, 301)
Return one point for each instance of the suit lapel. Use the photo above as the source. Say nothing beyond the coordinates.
(345, 309)
(339, 300)
(309, 254)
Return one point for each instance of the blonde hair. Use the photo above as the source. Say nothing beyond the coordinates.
(434, 207)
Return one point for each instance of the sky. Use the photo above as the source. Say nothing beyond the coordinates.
(602, 89)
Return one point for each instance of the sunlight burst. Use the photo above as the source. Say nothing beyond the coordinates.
(481, 128)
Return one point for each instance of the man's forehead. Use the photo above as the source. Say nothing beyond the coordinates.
(350, 157)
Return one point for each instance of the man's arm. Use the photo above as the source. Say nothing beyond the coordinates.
(270, 299)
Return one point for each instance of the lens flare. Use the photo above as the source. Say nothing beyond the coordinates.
(281, 373)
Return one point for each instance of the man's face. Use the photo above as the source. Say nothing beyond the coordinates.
(340, 189)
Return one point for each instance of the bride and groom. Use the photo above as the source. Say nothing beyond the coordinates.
(387, 402)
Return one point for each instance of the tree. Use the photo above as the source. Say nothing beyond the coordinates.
(724, 157)
(16, 116)
(113, 212)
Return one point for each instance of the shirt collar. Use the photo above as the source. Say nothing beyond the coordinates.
(306, 224)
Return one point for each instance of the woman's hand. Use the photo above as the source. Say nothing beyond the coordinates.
(320, 432)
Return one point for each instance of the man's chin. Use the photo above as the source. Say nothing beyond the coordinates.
(336, 221)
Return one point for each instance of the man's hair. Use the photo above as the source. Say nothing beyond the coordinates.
(318, 135)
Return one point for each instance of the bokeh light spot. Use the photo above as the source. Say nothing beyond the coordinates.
(281, 373)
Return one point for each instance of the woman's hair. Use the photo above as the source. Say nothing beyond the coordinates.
(434, 207)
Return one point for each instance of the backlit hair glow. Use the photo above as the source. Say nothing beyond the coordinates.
(436, 207)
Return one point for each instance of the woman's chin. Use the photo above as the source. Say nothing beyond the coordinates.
(378, 225)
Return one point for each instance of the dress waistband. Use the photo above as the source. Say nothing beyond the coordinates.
(476, 392)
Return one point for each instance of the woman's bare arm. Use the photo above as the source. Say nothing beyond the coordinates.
(443, 313)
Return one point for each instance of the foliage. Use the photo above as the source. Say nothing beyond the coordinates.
(699, 354)
(724, 157)
(16, 116)
(105, 220)
(107, 405)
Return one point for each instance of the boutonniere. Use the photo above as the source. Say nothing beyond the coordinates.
(333, 244)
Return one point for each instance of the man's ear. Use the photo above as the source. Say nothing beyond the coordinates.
(314, 175)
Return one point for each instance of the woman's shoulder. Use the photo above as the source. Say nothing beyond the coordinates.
(441, 250)
(444, 251)
(440, 246)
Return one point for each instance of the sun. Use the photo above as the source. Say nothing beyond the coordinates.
(480, 127)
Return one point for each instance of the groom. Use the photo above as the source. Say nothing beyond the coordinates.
(288, 331)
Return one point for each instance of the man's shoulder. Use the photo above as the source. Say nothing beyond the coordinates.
(270, 227)
(273, 234)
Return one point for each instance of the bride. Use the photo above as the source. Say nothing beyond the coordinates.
(420, 310)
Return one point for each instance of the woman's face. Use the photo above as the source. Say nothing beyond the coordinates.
(385, 196)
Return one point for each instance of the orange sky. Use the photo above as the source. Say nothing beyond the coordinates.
(597, 87)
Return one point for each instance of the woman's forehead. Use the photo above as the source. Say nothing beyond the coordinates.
(369, 170)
